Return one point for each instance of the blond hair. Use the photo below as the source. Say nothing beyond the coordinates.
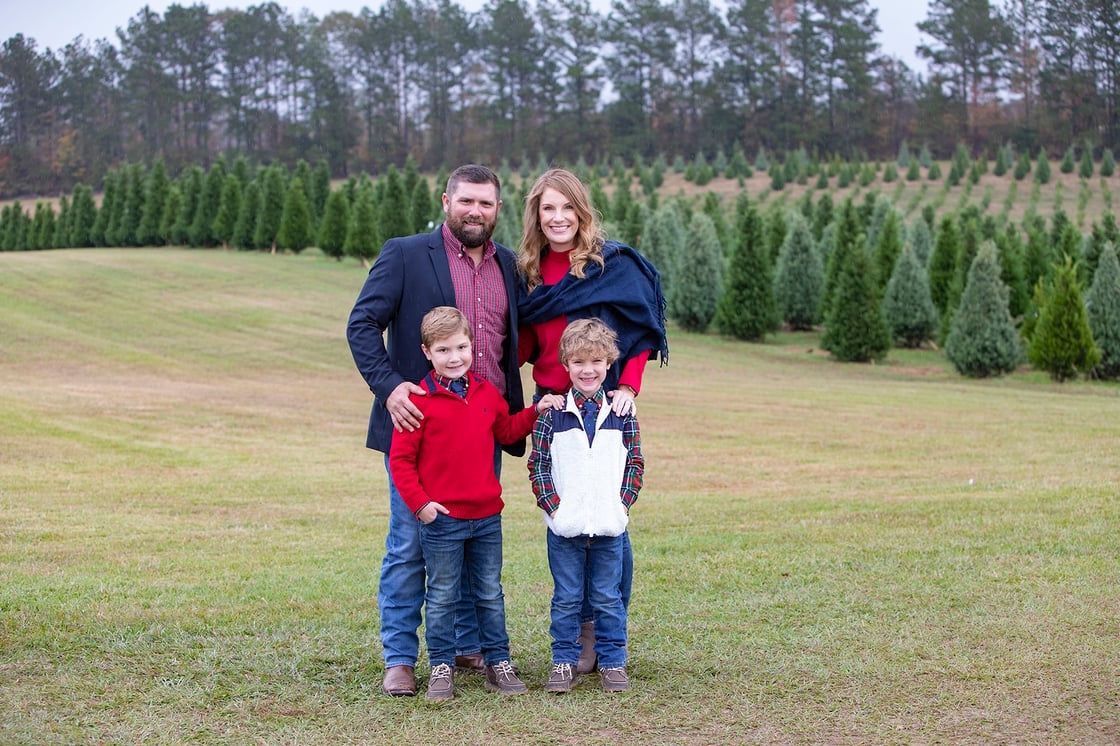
(443, 322)
(589, 336)
(589, 238)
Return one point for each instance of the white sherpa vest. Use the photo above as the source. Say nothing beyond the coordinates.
(588, 478)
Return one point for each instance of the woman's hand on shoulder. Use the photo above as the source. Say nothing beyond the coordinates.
(622, 401)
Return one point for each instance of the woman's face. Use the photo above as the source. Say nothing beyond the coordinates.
(558, 218)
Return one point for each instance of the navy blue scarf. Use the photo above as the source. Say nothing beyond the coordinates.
(625, 293)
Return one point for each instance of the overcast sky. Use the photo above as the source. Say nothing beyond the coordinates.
(55, 23)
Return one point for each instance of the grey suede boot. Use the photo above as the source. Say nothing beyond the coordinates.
(587, 657)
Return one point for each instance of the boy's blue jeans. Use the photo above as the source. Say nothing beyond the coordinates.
(400, 591)
(592, 564)
(454, 548)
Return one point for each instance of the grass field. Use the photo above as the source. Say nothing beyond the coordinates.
(190, 531)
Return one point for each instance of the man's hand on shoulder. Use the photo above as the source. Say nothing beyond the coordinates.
(405, 414)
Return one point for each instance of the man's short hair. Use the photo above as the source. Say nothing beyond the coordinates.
(443, 322)
(588, 336)
(472, 173)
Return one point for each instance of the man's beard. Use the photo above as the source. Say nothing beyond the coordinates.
(471, 235)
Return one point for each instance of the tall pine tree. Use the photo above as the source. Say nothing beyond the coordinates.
(983, 340)
(747, 309)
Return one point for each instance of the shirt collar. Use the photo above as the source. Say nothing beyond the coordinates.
(446, 382)
(455, 245)
(578, 398)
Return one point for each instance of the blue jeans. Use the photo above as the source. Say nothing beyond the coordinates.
(400, 591)
(591, 565)
(453, 549)
(626, 585)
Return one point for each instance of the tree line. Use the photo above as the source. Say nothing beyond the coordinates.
(990, 291)
(519, 79)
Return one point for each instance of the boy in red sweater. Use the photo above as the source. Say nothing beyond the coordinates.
(444, 471)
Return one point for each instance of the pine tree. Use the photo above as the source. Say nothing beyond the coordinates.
(394, 207)
(99, 233)
(1001, 162)
(907, 305)
(295, 231)
(147, 234)
(700, 282)
(599, 199)
(320, 190)
(1010, 251)
(201, 232)
(361, 236)
(943, 263)
(421, 211)
(83, 216)
(843, 241)
(229, 208)
(132, 206)
(1085, 167)
(1066, 166)
(888, 247)
(1108, 162)
(246, 225)
(1062, 343)
(921, 240)
(799, 279)
(855, 329)
(1022, 166)
(171, 210)
(190, 194)
(1103, 302)
(664, 243)
(61, 238)
(747, 308)
(271, 208)
(983, 340)
(333, 226)
(1042, 171)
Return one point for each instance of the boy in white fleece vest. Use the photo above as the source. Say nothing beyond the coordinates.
(586, 468)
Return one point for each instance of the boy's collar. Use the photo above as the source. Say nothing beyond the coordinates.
(445, 382)
(578, 397)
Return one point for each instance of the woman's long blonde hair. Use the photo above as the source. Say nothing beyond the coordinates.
(589, 238)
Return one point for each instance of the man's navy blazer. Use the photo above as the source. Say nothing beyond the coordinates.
(409, 278)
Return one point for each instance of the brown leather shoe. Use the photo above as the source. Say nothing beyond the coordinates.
(441, 683)
(614, 679)
(587, 656)
(400, 681)
(473, 663)
(501, 677)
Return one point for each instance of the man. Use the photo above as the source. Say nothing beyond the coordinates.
(456, 265)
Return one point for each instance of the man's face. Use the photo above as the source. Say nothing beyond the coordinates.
(472, 212)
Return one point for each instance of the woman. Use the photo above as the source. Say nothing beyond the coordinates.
(569, 271)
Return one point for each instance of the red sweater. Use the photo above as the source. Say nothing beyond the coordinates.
(450, 457)
(547, 370)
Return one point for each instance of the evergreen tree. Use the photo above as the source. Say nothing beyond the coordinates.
(229, 209)
(1039, 259)
(295, 231)
(421, 211)
(664, 242)
(907, 305)
(320, 190)
(599, 199)
(132, 206)
(394, 207)
(361, 236)
(747, 309)
(171, 210)
(700, 281)
(246, 225)
(620, 205)
(631, 233)
(1042, 171)
(271, 208)
(799, 279)
(336, 220)
(1062, 343)
(1022, 166)
(983, 340)
(1066, 166)
(1010, 253)
(1104, 232)
(155, 198)
(83, 216)
(855, 329)
(201, 232)
(1085, 167)
(1108, 162)
(888, 247)
(190, 194)
(714, 210)
(61, 238)
(42, 227)
(843, 241)
(99, 233)
(921, 241)
(1001, 162)
(943, 264)
(1103, 302)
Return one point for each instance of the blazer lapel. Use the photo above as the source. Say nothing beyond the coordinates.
(437, 254)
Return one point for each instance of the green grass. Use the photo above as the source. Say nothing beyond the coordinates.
(190, 531)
